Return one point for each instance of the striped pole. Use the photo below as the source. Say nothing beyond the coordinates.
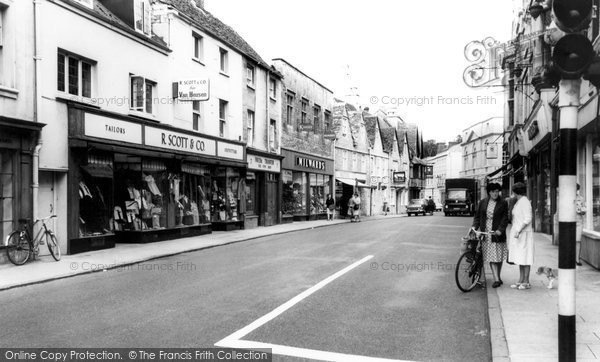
(568, 103)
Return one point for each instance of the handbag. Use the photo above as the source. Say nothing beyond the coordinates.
(132, 206)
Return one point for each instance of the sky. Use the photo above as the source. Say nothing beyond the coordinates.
(404, 54)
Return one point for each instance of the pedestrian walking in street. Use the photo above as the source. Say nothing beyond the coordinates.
(492, 215)
(580, 209)
(356, 207)
(330, 203)
(520, 240)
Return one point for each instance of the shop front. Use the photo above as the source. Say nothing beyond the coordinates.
(136, 181)
(262, 189)
(306, 182)
(399, 190)
(17, 140)
(541, 186)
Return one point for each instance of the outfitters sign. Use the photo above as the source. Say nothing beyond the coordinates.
(310, 163)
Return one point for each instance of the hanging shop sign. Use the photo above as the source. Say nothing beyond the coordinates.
(192, 89)
(170, 140)
(263, 163)
(306, 127)
(112, 129)
(399, 177)
(491, 151)
(533, 130)
(329, 135)
(428, 171)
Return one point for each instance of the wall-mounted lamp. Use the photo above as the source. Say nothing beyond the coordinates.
(536, 8)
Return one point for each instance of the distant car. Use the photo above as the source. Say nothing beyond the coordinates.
(416, 206)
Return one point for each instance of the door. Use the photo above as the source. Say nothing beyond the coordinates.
(271, 184)
(7, 196)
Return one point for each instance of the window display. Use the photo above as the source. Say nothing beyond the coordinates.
(251, 193)
(194, 202)
(317, 194)
(227, 187)
(596, 187)
(95, 196)
(294, 193)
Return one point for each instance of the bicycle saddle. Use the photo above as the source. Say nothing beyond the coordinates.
(24, 221)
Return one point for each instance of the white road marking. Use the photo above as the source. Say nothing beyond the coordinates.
(302, 352)
(234, 339)
(444, 226)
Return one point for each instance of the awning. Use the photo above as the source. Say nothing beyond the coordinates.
(100, 171)
(351, 182)
(501, 169)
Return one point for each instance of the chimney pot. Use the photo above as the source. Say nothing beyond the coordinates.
(199, 3)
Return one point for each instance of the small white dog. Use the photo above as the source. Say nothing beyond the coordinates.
(549, 273)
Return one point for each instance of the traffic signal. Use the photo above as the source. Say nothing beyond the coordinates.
(573, 53)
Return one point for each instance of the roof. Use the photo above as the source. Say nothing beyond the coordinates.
(371, 126)
(101, 12)
(388, 136)
(210, 24)
(301, 72)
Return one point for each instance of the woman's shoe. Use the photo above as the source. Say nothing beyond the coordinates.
(497, 284)
(524, 286)
(516, 285)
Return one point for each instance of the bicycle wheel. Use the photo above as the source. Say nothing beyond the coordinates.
(467, 272)
(18, 248)
(53, 245)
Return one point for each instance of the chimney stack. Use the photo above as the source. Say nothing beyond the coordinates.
(200, 4)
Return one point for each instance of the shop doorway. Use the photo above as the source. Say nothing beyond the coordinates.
(272, 183)
(7, 189)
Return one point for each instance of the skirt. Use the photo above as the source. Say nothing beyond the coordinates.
(494, 252)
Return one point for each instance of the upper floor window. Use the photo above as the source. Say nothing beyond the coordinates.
(250, 75)
(224, 60)
(273, 144)
(222, 117)
(198, 46)
(316, 117)
(289, 112)
(2, 11)
(142, 92)
(250, 128)
(327, 120)
(196, 114)
(303, 109)
(74, 75)
(142, 14)
(272, 88)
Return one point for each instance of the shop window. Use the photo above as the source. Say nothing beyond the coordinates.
(6, 192)
(142, 91)
(194, 199)
(227, 188)
(95, 189)
(317, 194)
(596, 187)
(74, 74)
(294, 193)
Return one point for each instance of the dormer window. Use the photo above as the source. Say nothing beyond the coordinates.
(142, 14)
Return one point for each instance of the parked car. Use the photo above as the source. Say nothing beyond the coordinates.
(416, 207)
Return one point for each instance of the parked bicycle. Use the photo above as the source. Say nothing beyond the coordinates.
(20, 247)
(470, 264)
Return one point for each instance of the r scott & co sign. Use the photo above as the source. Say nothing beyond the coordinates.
(310, 163)
(179, 141)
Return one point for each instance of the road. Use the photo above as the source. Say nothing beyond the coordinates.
(401, 303)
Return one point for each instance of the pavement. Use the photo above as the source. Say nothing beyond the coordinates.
(524, 323)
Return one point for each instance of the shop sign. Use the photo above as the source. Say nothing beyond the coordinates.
(230, 150)
(112, 129)
(329, 135)
(399, 177)
(9, 140)
(310, 163)
(263, 163)
(306, 127)
(375, 180)
(533, 130)
(192, 89)
(179, 141)
(429, 171)
(491, 151)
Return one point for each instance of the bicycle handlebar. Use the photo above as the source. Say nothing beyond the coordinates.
(478, 233)
(46, 218)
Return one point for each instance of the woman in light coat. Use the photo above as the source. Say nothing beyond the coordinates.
(520, 239)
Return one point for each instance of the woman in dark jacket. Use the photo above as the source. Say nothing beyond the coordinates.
(492, 215)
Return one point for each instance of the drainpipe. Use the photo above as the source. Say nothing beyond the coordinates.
(36, 92)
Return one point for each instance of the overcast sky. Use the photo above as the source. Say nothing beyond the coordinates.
(412, 51)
